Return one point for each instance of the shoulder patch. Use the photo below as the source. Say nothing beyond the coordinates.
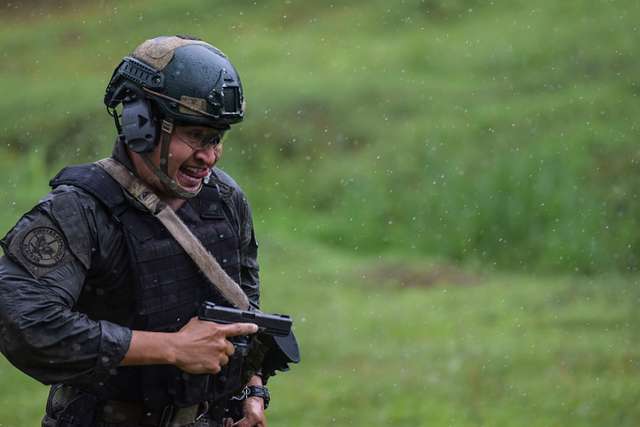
(37, 244)
(43, 246)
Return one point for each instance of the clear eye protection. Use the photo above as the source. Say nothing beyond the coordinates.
(199, 140)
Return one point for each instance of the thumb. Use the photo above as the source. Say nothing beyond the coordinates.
(241, 422)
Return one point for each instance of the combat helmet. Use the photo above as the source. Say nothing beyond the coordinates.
(171, 80)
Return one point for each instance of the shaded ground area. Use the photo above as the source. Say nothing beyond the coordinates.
(406, 275)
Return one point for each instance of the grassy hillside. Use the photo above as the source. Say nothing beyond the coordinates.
(445, 192)
(496, 132)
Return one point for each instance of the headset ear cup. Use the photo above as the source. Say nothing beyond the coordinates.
(139, 127)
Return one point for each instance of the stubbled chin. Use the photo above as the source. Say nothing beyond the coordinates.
(187, 182)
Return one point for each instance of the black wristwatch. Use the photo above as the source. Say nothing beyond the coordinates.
(259, 391)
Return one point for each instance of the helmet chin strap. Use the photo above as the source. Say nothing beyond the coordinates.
(162, 173)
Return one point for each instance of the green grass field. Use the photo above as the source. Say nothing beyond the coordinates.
(445, 192)
(383, 348)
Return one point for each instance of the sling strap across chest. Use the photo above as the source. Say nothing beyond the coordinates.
(205, 261)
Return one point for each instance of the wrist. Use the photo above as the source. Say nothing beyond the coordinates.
(258, 392)
(170, 348)
(254, 393)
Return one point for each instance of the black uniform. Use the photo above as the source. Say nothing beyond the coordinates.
(87, 265)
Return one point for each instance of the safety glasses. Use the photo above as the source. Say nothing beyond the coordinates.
(198, 137)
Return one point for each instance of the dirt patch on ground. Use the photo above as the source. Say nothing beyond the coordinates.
(415, 276)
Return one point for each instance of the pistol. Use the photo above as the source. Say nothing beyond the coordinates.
(269, 324)
(277, 345)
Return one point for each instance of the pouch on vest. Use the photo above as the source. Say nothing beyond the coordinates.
(69, 407)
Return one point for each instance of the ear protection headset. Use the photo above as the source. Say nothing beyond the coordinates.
(139, 127)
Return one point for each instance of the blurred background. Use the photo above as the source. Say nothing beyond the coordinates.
(445, 192)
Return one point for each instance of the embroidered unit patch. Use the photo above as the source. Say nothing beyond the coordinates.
(43, 246)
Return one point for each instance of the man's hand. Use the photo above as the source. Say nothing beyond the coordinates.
(253, 408)
(200, 347)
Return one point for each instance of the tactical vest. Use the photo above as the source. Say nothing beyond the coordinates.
(169, 287)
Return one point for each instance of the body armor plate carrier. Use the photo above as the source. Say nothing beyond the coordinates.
(169, 287)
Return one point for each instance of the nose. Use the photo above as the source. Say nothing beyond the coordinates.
(208, 156)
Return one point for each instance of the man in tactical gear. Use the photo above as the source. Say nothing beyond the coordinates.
(99, 300)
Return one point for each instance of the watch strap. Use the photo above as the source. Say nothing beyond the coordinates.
(259, 391)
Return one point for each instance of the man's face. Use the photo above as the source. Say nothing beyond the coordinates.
(192, 152)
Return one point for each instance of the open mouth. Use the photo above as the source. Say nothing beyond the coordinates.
(191, 176)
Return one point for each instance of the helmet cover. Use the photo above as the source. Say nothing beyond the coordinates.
(188, 81)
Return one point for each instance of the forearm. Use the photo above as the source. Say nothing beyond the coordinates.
(255, 380)
(199, 347)
(150, 348)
